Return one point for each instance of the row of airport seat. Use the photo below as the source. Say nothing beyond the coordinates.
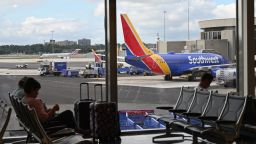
(5, 114)
(213, 117)
(51, 133)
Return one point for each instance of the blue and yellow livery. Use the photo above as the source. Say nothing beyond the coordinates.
(171, 64)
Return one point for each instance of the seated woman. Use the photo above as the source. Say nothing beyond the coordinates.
(45, 115)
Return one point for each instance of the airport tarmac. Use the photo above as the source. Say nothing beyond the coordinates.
(134, 92)
(131, 89)
(35, 63)
(65, 91)
(35, 60)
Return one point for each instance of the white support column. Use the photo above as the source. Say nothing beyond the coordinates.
(246, 47)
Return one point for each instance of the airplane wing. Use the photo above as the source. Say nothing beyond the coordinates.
(210, 67)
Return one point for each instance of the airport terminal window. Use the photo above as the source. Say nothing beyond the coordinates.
(146, 88)
(210, 35)
(219, 35)
(53, 46)
(203, 35)
(215, 35)
(140, 86)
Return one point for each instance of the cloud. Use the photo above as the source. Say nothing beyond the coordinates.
(15, 6)
(225, 11)
(7, 6)
(33, 25)
(100, 9)
(146, 15)
(4, 3)
(33, 28)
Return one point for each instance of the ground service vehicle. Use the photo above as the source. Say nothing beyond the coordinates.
(94, 69)
(55, 68)
(226, 77)
(22, 66)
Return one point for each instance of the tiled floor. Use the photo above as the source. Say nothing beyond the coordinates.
(139, 139)
(147, 139)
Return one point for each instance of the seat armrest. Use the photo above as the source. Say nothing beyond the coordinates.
(51, 124)
(62, 133)
(226, 122)
(54, 129)
(177, 111)
(212, 118)
(192, 114)
(164, 107)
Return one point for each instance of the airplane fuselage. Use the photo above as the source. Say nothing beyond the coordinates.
(175, 64)
(61, 55)
(56, 55)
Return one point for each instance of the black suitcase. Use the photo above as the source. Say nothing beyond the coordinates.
(82, 109)
(104, 119)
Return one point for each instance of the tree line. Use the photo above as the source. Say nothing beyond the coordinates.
(42, 48)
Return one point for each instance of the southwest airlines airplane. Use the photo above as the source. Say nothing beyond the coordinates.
(61, 55)
(170, 64)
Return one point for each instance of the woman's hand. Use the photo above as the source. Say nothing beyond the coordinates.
(56, 107)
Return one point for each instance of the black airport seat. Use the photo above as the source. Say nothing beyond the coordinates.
(5, 114)
(210, 114)
(28, 119)
(37, 131)
(182, 105)
(195, 110)
(228, 124)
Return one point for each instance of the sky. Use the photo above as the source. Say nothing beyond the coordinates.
(25, 22)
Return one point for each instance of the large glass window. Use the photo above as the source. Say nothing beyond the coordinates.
(175, 28)
(51, 41)
(36, 36)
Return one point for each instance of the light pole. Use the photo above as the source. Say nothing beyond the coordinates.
(52, 42)
(164, 24)
(157, 41)
(188, 21)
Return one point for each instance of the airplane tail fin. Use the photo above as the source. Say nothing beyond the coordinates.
(128, 52)
(97, 57)
(134, 45)
(75, 51)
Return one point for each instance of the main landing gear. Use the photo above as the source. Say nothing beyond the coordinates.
(191, 78)
(167, 77)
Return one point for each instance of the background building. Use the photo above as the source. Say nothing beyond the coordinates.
(217, 34)
(66, 43)
(220, 29)
(84, 42)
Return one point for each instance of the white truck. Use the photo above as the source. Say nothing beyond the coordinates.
(22, 66)
(94, 70)
(226, 77)
(55, 68)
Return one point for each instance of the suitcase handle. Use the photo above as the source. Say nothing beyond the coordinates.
(81, 84)
(98, 85)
